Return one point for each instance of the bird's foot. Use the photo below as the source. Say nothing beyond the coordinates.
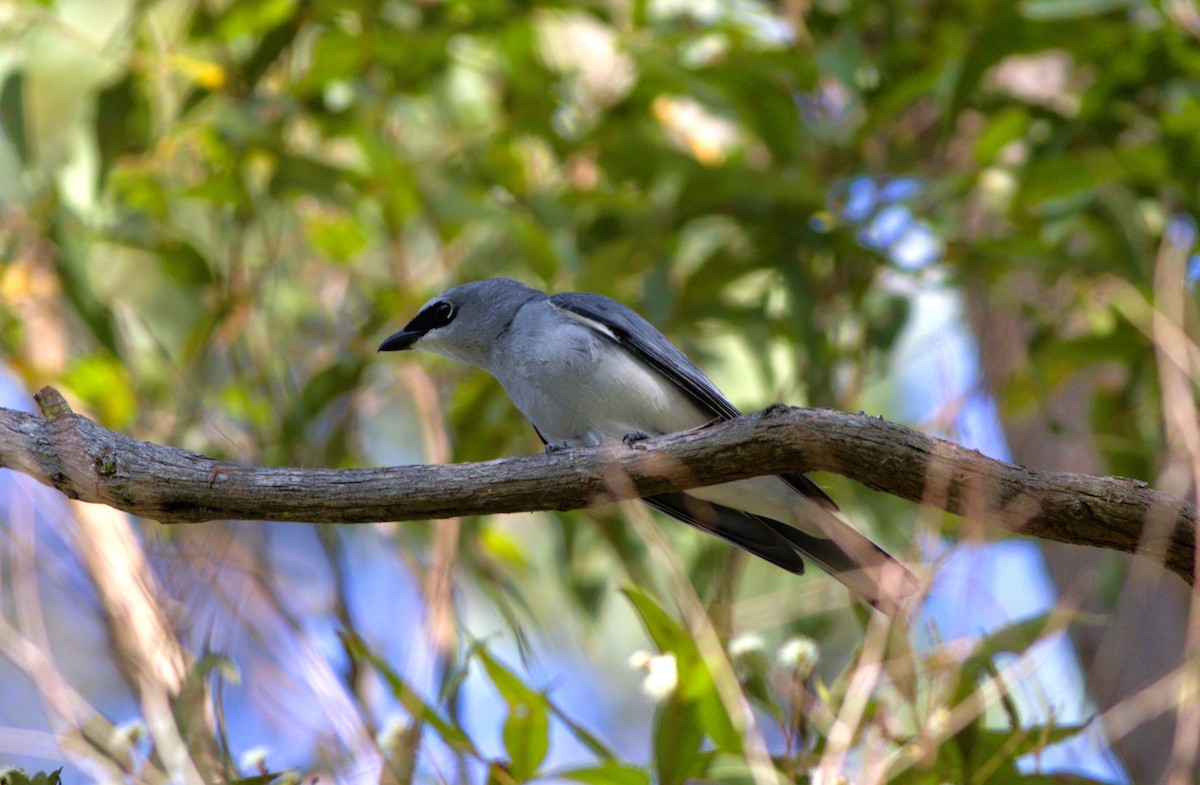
(632, 439)
(553, 447)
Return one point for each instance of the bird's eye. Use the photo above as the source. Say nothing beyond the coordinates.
(440, 314)
(431, 317)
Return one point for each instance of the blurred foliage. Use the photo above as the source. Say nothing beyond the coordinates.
(223, 206)
(214, 211)
(698, 736)
(18, 777)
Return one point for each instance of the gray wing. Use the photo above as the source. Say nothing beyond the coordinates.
(643, 340)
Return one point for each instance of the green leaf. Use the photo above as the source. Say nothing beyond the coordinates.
(510, 686)
(325, 387)
(19, 777)
(527, 728)
(253, 17)
(257, 779)
(222, 665)
(1005, 126)
(1047, 10)
(77, 286)
(1047, 180)
(527, 739)
(184, 263)
(1003, 32)
(974, 748)
(271, 47)
(12, 113)
(536, 245)
(104, 384)
(714, 718)
(339, 235)
(122, 123)
(1014, 638)
(586, 737)
(695, 679)
(295, 174)
(664, 631)
(997, 751)
(1049, 779)
(677, 740)
(1019, 636)
(608, 774)
(416, 707)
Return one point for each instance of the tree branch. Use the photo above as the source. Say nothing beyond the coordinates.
(85, 461)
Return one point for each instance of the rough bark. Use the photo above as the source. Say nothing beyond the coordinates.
(88, 462)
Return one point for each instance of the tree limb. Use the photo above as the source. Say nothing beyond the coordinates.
(85, 461)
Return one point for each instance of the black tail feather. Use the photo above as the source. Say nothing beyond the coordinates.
(744, 530)
(859, 564)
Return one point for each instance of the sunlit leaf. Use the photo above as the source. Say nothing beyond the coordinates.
(510, 686)
(527, 739)
(503, 547)
(1070, 9)
(610, 774)
(337, 235)
(104, 384)
(253, 17)
(205, 74)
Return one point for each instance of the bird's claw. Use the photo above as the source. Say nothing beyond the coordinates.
(632, 439)
(553, 447)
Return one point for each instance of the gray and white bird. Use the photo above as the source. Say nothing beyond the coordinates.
(586, 370)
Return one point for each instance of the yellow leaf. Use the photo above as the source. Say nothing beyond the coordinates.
(205, 73)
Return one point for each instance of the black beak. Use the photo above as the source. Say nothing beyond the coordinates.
(400, 341)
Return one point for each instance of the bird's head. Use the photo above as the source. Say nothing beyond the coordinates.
(464, 323)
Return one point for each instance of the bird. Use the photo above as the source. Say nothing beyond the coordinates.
(587, 370)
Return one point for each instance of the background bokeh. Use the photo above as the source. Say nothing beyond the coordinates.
(973, 217)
